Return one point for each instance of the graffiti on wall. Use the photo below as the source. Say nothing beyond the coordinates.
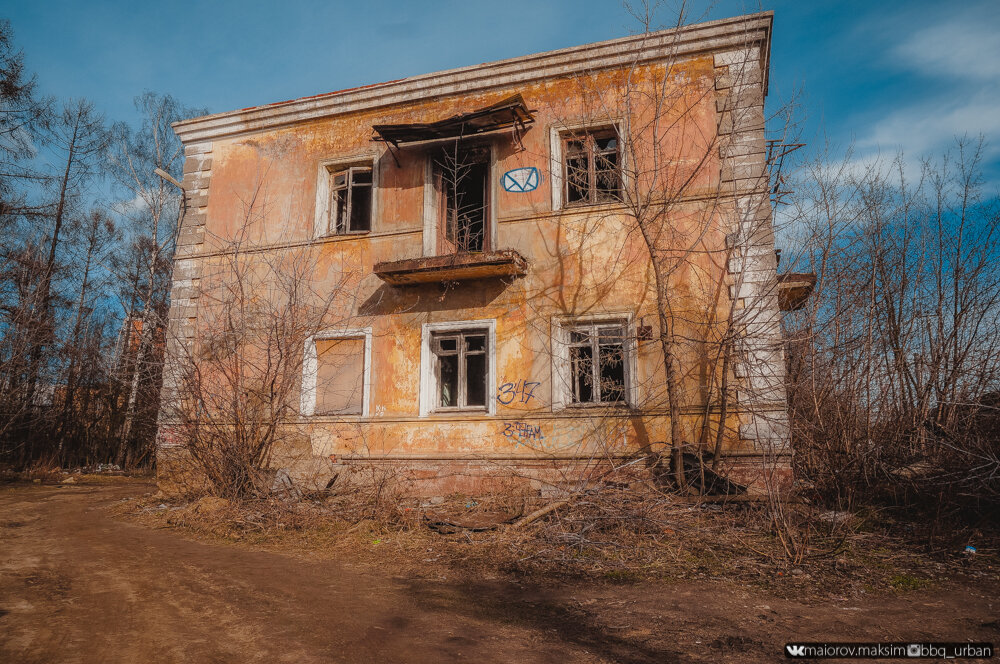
(520, 180)
(525, 389)
(522, 431)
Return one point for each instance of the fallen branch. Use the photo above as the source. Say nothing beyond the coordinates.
(539, 513)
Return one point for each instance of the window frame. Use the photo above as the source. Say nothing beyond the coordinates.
(328, 168)
(589, 138)
(429, 366)
(310, 370)
(462, 379)
(593, 330)
(559, 134)
(562, 370)
(349, 186)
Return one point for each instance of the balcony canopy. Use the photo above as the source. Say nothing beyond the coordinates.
(509, 113)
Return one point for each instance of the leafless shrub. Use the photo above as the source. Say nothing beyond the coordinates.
(235, 394)
(895, 366)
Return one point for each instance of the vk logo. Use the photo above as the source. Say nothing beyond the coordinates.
(520, 180)
(795, 651)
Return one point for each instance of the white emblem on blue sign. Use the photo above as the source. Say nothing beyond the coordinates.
(520, 180)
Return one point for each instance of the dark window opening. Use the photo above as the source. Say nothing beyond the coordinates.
(351, 201)
(597, 358)
(461, 370)
(592, 167)
(464, 176)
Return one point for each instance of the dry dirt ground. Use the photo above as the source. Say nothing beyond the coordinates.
(80, 585)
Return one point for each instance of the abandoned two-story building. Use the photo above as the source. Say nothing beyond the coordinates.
(505, 248)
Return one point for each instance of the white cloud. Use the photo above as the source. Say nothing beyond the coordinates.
(957, 61)
(967, 46)
(934, 124)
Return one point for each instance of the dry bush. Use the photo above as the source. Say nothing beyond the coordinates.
(894, 367)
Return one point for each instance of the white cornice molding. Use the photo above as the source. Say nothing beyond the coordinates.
(726, 34)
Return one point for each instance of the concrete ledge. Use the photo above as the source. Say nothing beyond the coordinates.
(452, 267)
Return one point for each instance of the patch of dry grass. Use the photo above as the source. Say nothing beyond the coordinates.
(619, 535)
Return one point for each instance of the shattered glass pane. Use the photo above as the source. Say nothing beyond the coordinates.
(577, 178)
(612, 372)
(582, 372)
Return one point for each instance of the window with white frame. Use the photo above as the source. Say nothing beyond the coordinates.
(593, 363)
(350, 202)
(336, 373)
(457, 361)
(461, 368)
(597, 363)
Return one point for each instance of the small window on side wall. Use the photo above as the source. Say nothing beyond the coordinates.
(350, 200)
(592, 163)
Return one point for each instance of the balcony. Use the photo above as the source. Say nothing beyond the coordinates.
(460, 266)
(794, 289)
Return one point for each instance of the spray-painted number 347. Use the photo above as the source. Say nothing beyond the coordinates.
(522, 388)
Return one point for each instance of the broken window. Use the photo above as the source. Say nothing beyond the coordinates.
(340, 376)
(598, 360)
(460, 370)
(592, 167)
(463, 176)
(351, 200)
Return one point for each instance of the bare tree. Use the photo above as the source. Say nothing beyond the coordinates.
(896, 363)
(151, 213)
(235, 394)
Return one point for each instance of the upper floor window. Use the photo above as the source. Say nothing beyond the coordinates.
(592, 167)
(463, 180)
(350, 200)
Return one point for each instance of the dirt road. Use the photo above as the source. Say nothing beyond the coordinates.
(78, 585)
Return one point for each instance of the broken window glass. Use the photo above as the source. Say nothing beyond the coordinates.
(462, 370)
(351, 200)
(592, 167)
(597, 357)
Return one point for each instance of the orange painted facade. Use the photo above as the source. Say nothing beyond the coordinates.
(584, 263)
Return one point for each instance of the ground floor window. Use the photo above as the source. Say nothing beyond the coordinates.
(457, 365)
(460, 369)
(336, 370)
(597, 363)
(592, 362)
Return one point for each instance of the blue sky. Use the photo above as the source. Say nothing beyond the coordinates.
(909, 75)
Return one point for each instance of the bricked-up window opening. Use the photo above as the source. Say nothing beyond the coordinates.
(464, 176)
(592, 167)
(340, 376)
(460, 370)
(351, 200)
(597, 363)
